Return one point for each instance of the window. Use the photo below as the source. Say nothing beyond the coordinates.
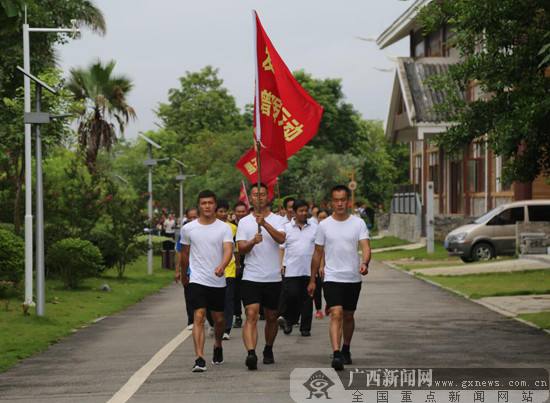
(508, 217)
(499, 164)
(433, 172)
(418, 44)
(475, 168)
(418, 169)
(539, 213)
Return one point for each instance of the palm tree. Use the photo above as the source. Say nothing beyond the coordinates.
(104, 95)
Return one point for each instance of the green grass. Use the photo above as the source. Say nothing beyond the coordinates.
(440, 253)
(498, 284)
(541, 319)
(387, 242)
(22, 336)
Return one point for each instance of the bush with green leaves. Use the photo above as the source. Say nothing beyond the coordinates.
(75, 259)
(12, 265)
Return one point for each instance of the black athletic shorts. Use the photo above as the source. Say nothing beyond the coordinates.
(202, 296)
(266, 294)
(342, 294)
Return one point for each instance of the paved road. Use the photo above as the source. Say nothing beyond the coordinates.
(401, 322)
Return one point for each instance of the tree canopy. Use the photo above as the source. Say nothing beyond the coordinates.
(503, 46)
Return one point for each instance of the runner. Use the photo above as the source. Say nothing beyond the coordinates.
(338, 237)
(241, 211)
(298, 250)
(261, 283)
(207, 248)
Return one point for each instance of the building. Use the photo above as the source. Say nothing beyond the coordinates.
(467, 185)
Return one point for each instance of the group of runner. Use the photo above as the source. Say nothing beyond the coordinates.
(280, 271)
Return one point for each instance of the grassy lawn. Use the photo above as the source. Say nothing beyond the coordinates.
(541, 319)
(387, 241)
(497, 284)
(440, 253)
(23, 336)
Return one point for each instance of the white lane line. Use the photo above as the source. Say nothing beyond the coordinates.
(135, 382)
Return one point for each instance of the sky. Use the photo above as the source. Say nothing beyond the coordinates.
(154, 43)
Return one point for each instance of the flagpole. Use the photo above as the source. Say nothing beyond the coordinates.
(258, 133)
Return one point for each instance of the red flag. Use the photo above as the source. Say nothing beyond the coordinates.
(243, 196)
(287, 115)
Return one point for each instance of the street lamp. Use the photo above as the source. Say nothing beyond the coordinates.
(150, 162)
(28, 151)
(39, 118)
(181, 177)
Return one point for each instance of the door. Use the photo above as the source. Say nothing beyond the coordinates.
(455, 186)
(504, 224)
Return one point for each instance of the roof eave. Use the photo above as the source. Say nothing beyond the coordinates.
(402, 26)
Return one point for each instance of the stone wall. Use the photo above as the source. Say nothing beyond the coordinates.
(533, 228)
(443, 224)
(406, 226)
(383, 221)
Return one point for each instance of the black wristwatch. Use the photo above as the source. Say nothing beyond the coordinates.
(366, 264)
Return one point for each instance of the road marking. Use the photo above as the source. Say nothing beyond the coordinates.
(135, 382)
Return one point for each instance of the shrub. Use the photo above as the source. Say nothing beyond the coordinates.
(76, 259)
(12, 265)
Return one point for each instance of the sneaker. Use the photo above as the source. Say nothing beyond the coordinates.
(288, 328)
(319, 314)
(238, 322)
(217, 359)
(305, 333)
(200, 365)
(226, 336)
(189, 327)
(252, 362)
(327, 310)
(337, 362)
(281, 322)
(211, 332)
(346, 358)
(268, 357)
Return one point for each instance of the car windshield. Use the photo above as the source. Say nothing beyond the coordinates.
(488, 215)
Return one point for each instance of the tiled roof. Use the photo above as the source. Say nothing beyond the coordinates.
(416, 72)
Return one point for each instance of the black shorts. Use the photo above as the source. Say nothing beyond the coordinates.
(266, 294)
(342, 294)
(202, 296)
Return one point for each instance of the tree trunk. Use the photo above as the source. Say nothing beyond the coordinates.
(18, 187)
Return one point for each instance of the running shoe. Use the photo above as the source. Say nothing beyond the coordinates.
(288, 327)
(281, 322)
(346, 358)
(305, 333)
(252, 362)
(217, 359)
(226, 336)
(337, 362)
(211, 331)
(189, 327)
(319, 314)
(200, 365)
(268, 357)
(238, 322)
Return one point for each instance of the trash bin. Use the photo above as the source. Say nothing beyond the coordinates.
(168, 255)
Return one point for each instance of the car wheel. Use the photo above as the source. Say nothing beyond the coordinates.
(482, 251)
(466, 259)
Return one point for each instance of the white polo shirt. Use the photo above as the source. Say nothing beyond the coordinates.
(298, 247)
(261, 264)
(206, 251)
(341, 240)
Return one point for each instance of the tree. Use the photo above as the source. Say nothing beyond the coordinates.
(200, 104)
(105, 98)
(503, 46)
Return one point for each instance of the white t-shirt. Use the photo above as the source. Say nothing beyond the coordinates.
(341, 239)
(298, 247)
(261, 264)
(206, 251)
(170, 226)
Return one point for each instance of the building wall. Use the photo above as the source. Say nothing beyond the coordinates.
(406, 226)
(443, 224)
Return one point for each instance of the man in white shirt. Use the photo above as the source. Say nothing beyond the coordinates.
(298, 251)
(258, 236)
(207, 248)
(338, 237)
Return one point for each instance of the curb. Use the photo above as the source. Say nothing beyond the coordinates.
(461, 294)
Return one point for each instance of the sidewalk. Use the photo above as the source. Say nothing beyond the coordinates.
(490, 267)
(401, 322)
(417, 245)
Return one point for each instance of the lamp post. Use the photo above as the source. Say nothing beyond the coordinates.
(28, 152)
(39, 118)
(149, 163)
(181, 177)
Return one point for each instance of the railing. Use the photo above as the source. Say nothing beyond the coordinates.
(405, 199)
